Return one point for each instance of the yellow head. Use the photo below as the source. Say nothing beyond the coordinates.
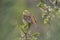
(26, 12)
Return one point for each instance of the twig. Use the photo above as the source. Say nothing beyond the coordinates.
(26, 34)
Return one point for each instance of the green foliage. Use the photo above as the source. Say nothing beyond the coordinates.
(35, 34)
(33, 38)
(24, 29)
(48, 12)
(41, 5)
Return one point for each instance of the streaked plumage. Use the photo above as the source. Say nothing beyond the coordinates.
(27, 17)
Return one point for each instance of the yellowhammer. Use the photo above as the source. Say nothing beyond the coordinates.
(28, 17)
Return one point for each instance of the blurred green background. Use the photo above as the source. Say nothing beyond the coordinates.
(11, 14)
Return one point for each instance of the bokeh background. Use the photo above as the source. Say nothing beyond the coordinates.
(11, 16)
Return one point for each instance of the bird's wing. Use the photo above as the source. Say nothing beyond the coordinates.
(33, 19)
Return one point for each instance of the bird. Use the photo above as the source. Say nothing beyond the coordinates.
(28, 17)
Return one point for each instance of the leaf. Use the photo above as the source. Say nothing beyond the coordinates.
(36, 34)
(46, 20)
(41, 5)
(24, 27)
(33, 38)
